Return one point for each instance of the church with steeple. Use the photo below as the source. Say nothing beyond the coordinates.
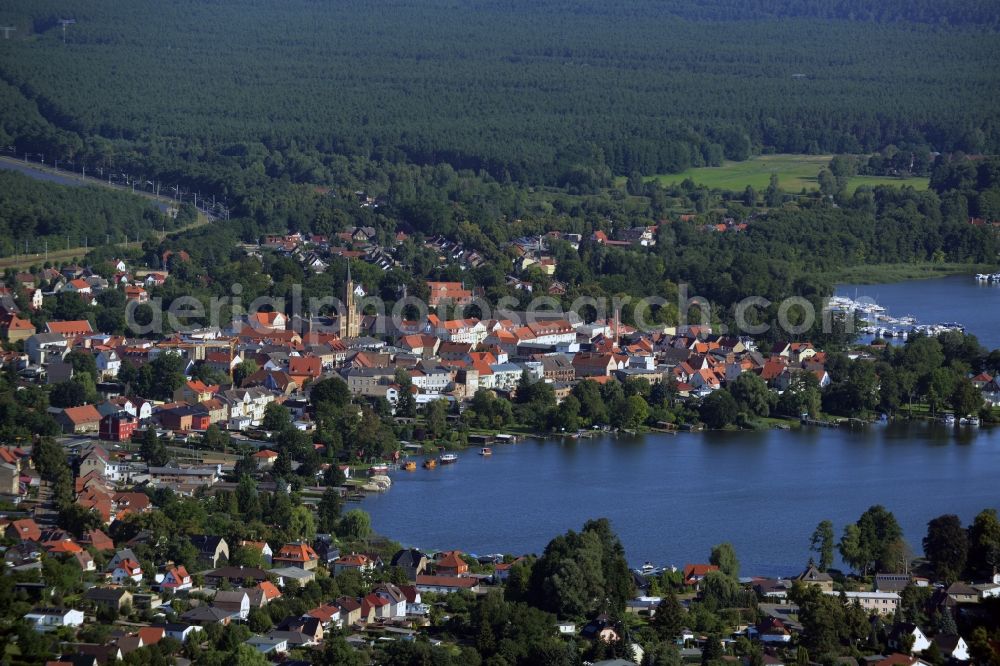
(350, 317)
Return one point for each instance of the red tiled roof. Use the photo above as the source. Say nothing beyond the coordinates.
(447, 581)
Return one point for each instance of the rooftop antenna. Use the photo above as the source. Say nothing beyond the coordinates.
(66, 22)
(7, 29)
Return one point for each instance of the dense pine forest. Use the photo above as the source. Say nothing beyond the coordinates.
(546, 92)
(41, 212)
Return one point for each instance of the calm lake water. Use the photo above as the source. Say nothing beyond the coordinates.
(957, 298)
(672, 497)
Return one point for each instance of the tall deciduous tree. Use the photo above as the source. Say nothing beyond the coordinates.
(724, 557)
(821, 543)
(946, 547)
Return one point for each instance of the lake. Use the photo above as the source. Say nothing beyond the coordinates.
(956, 298)
(672, 497)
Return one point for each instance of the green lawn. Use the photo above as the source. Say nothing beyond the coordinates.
(795, 172)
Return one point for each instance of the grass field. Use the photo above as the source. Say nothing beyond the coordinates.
(877, 274)
(795, 172)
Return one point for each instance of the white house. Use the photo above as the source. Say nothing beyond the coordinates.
(952, 646)
(900, 632)
(50, 619)
(125, 571)
(180, 632)
(395, 597)
(108, 363)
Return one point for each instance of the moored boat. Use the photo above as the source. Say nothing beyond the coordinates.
(430, 464)
(409, 466)
(448, 458)
(486, 451)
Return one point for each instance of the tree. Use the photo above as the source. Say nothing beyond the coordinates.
(669, 618)
(984, 544)
(302, 526)
(328, 510)
(751, 394)
(332, 391)
(724, 557)
(636, 412)
(276, 418)
(406, 405)
(67, 394)
(821, 543)
(435, 415)
(712, 653)
(966, 399)
(946, 547)
(718, 409)
(356, 525)
(243, 370)
(871, 542)
(152, 449)
(581, 572)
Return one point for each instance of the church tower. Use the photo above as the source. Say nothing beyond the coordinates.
(350, 318)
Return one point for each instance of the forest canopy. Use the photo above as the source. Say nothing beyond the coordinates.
(539, 91)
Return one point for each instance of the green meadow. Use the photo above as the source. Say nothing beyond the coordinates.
(795, 172)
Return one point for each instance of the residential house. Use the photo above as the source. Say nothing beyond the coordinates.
(211, 548)
(117, 427)
(116, 598)
(354, 561)
(883, 603)
(261, 547)
(907, 637)
(300, 555)
(695, 573)
(23, 529)
(447, 584)
(451, 563)
(813, 576)
(45, 619)
(350, 610)
(79, 420)
(235, 575)
(395, 598)
(952, 647)
(236, 603)
(125, 571)
(411, 561)
(175, 578)
(70, 330)
(109, 364)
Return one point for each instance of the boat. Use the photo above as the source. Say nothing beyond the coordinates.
(409, 466)
(378, 469)
(949, 419)
(963, 421)
(430, 464)
(974, 421)
(448, 458)
(486, 451)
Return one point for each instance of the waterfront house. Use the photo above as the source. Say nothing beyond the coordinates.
(447, 584)
(450, 563)
(695, 573)
(813, 576)
(411, 561)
